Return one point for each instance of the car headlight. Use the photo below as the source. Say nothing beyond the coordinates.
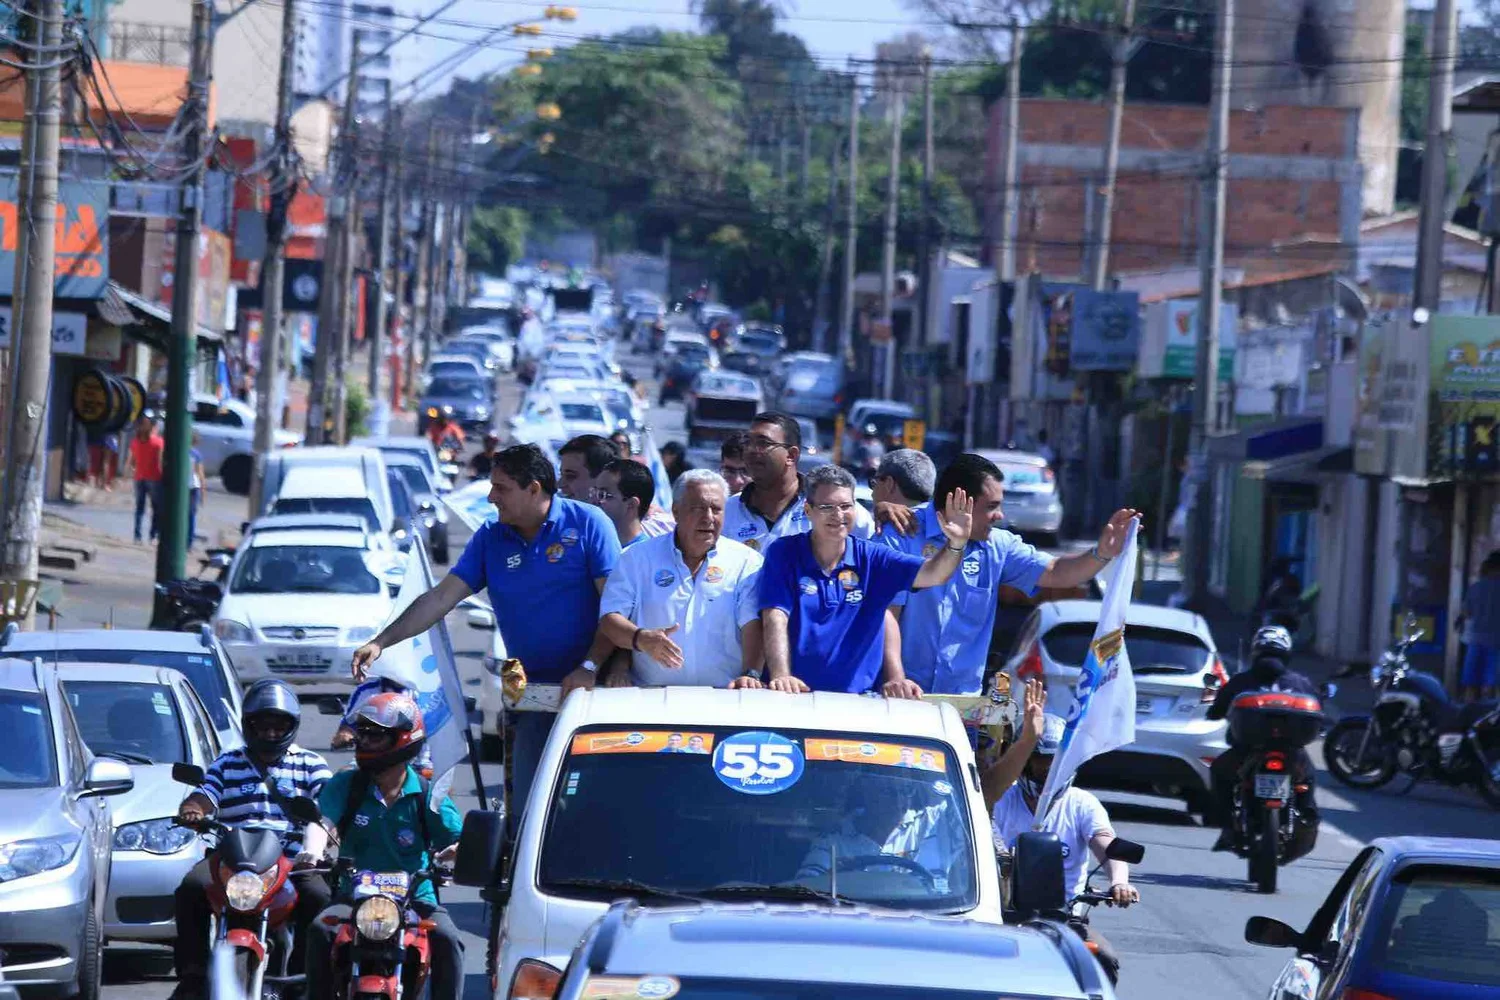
(21, 858)
(481, 411)
(378, 918)
(429, 521)
(360, 633)
(229, 630)
(244, 890)
(154, 836)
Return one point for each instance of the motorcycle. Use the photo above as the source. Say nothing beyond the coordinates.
(1081, 905)
(1269, 828)
(191, 602)
(381, 950)
(251, 894)
(1417, 729)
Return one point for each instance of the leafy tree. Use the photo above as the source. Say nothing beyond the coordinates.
(497, 238)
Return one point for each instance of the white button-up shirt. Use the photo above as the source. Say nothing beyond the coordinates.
(748, 527)
(652, 587)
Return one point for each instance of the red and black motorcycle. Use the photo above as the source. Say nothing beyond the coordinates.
(381, 950)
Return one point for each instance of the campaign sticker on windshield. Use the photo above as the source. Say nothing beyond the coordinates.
(758, 763)
(381, 884)
(865, 752)
(637, 987)
(644, 741)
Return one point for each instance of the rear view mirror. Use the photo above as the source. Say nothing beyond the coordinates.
(481, 848)
(107, 777)
(187, 774)
(1037, 876)
(304, 809)
(1124, 850)
(1271, 933)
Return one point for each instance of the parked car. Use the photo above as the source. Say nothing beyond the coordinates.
(1177, 673)
(469, 401)
(1411, 918)
(148, 718)
(298, 604)
(808, 384)
(431, 510)
(1031, 503)
(55, 838)
(226, 440)
(197, 656)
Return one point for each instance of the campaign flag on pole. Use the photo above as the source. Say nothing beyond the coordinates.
(1103, 717)
(425, 664)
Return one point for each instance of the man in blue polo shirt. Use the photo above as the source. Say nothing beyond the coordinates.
(544, 562)
(945, 630)
(824, 594)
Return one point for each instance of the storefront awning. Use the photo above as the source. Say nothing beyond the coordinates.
(1303, 467)
(152, 321)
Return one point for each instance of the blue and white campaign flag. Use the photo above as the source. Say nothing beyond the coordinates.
(472, 504)
(1103, 717)
(425, 664)
(659, 477)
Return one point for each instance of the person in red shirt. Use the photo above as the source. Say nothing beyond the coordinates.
(146, 447)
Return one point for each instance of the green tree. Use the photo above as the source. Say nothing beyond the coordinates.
(497, 238)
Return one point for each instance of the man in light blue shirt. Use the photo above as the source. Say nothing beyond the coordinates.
(945, 630)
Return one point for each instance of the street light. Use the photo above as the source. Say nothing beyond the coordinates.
(528, 69)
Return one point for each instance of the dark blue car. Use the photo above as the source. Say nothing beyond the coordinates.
(1411, 918)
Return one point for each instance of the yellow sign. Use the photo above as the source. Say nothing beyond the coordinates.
(914, 434)
(838, 439)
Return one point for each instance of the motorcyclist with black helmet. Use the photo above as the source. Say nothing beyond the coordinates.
(251, 786)
(1270, 650)
(387, 822)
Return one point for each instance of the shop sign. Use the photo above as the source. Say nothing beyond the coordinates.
(1464, 396)
(81, 254)
(69, 331)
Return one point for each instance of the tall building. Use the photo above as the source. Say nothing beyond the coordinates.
(322, 49)
(1330, 53)
(376, 27)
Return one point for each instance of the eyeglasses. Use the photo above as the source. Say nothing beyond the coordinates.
(833, 508)
(760, 443)
(604, 495)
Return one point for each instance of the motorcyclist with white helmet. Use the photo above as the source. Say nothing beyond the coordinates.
(1012, 787)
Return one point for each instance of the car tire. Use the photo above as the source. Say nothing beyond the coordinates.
(235, 473)
(90, 958)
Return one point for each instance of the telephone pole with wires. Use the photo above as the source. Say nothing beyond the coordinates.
(348, 180)
(177, 465)
(382, 247)
(273, 266)
(851, 223)
(31, 326)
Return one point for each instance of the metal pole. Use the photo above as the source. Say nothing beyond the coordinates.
(1210, 297)
(273, 266)
(1429, 277)
(421, 300)
(382, 252)
(888, 253)
(1012, 209)
(348, 180)
(1099, 273)
(397, 325)
(924, 240)
(31, 327)
(851, 228)
(177, 472)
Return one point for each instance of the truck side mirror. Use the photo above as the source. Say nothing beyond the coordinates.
(1037, 876)
(481, 848)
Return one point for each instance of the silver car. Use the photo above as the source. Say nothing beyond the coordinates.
(54, 838)
(148, 718)
(714, 951)
(1031, 505)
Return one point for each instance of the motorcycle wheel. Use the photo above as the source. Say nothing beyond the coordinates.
(1341, 746)
(1263, 860)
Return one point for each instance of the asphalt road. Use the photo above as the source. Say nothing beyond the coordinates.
(1184, 941)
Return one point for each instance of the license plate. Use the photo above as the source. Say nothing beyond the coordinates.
(307, 662)
(1144, 706)
(1273, 786)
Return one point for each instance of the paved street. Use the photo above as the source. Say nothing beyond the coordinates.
(1185, 935)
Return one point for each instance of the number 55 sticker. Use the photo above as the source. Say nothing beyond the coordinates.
(758, 763)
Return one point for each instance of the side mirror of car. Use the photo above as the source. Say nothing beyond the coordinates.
(107, 777)
(187, 774)
(480, 618)
(481, 848)
(1037, 876)
(1124, 850)
(219, 560)
(1271, 933)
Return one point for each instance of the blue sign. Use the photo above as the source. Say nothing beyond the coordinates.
(1106, 333)
(758, 763)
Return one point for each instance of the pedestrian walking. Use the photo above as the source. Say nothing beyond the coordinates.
(144, 463)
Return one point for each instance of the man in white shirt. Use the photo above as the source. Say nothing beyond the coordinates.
(687, 604)
(1012, 787)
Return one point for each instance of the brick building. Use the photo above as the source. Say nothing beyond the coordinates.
(1293, 171)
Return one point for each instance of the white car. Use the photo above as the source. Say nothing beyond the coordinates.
(297, 604)
(1032, 506)
(501, 344)
(1178, 672)
(491, 700)
(226, 439)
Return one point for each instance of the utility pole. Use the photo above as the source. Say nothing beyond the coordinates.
(851, 231)
(348, 180)
(422, 308)
(273, 265)
(924, 243)
(1429, 276)
(1099, 271)
(31, 326)
(888, 253)
(177, 472)
(1210, 298)
(382, 250)
(396, 323)
(1006, 259)
(825, 263)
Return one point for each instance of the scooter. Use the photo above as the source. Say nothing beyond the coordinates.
(251, 894)
(381, 950)
(1270, 829)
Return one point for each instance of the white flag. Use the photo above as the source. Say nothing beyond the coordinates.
(1104, 717)
(425, 664)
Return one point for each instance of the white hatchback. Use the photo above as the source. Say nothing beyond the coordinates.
(1177, 673)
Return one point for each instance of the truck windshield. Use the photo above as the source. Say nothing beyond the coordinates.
(879, 820)
(702, 988)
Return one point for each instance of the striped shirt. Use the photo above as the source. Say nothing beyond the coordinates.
(238, 791)
(657, 523)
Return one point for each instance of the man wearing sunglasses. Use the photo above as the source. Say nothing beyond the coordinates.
(824, 594)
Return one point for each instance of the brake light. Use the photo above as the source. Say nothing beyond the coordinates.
(1274, 762)
(1217, 678)
(1032, 665)
(534, 981)
(1048, 476)
(1354, 993)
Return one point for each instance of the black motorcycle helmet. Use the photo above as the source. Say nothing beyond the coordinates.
(270, 697)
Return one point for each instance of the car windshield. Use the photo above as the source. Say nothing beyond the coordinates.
(692, 353)
(1444, 925)
(28, 760)
(203, 673)
(459, 368)
(1029, 478)
(415, 479)
(1152, 650)
(589, 412)
(330, 505)
(400, 498)
(607, 987)
(135, 722)
(804, 376)
(452, 388)
(760, 343)
(790, 814)
(304, 569)
(886, 424)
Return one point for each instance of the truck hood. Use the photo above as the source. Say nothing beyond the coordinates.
(343, 610)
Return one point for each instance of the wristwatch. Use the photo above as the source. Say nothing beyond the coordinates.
(590, 666)
(1100, 559)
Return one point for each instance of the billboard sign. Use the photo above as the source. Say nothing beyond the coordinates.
(82, 249)
(1463, 387)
